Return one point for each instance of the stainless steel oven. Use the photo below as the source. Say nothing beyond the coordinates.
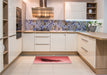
(18, 23)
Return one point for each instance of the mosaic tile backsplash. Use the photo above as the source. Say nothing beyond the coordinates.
(48, 25)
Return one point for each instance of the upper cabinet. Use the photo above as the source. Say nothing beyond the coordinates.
(91, 10)
(75, 10)
(12, 17)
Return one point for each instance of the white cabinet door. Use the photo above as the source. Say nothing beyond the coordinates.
(57, 42)
(12, 48)
(75, 10)
(19, 45)
(28, 42)
(87, 48)
(1, 16)
(1, 61)
(71, 42)
(1, 55)
(12, 17)
(92, 52)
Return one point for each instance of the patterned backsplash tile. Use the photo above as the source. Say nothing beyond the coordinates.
(48, 25)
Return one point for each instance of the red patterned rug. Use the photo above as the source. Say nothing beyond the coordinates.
(51, 59)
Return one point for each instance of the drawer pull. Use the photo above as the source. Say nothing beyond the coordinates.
(84, 49)
(85, 40)
(42, 44)
(42, 36)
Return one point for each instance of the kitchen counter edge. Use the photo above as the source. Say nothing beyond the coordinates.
(96, 35)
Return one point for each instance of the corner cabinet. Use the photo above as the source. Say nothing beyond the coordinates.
(58, 41)
(71, 42)
(75, 10)
(87, 49)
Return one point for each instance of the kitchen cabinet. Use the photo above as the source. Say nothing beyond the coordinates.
(49, 42)
(1, 61)
(1, 55)
(19, 45)
(1, 24)
(75, 10)
(71, 42)
(12, 48)
(87, 48)
(58, 41)
(28, 42)
(42, 42)
(12, 17)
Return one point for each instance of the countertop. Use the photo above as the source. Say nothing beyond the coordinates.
(96, 35)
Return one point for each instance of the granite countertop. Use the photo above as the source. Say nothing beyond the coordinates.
(96, 35)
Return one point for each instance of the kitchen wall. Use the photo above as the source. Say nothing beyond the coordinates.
(105, 16)
(100, 13)
(48, 25)
(19, 3)
(58, 8)
(57, 4)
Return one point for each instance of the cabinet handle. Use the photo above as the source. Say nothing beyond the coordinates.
(85, 40)
(12, 35)
(84, 49)
(42, 36)
(42, 44)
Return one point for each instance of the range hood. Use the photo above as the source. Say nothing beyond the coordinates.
(43, 11)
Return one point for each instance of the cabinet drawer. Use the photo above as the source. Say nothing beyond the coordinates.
(84, 40)
(42, 47)
(42, 40)
(84, 51)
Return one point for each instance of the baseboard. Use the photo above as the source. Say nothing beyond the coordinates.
(91, 67)
(101, 71)
(10, 64)
(49, 53)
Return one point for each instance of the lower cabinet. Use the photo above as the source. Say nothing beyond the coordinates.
(49, 42)
(42, 42)
(71, 42)
(58, 41)
(19, 45)
(87, 49)
(1, 55)
(28, 42)
(12, 48)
